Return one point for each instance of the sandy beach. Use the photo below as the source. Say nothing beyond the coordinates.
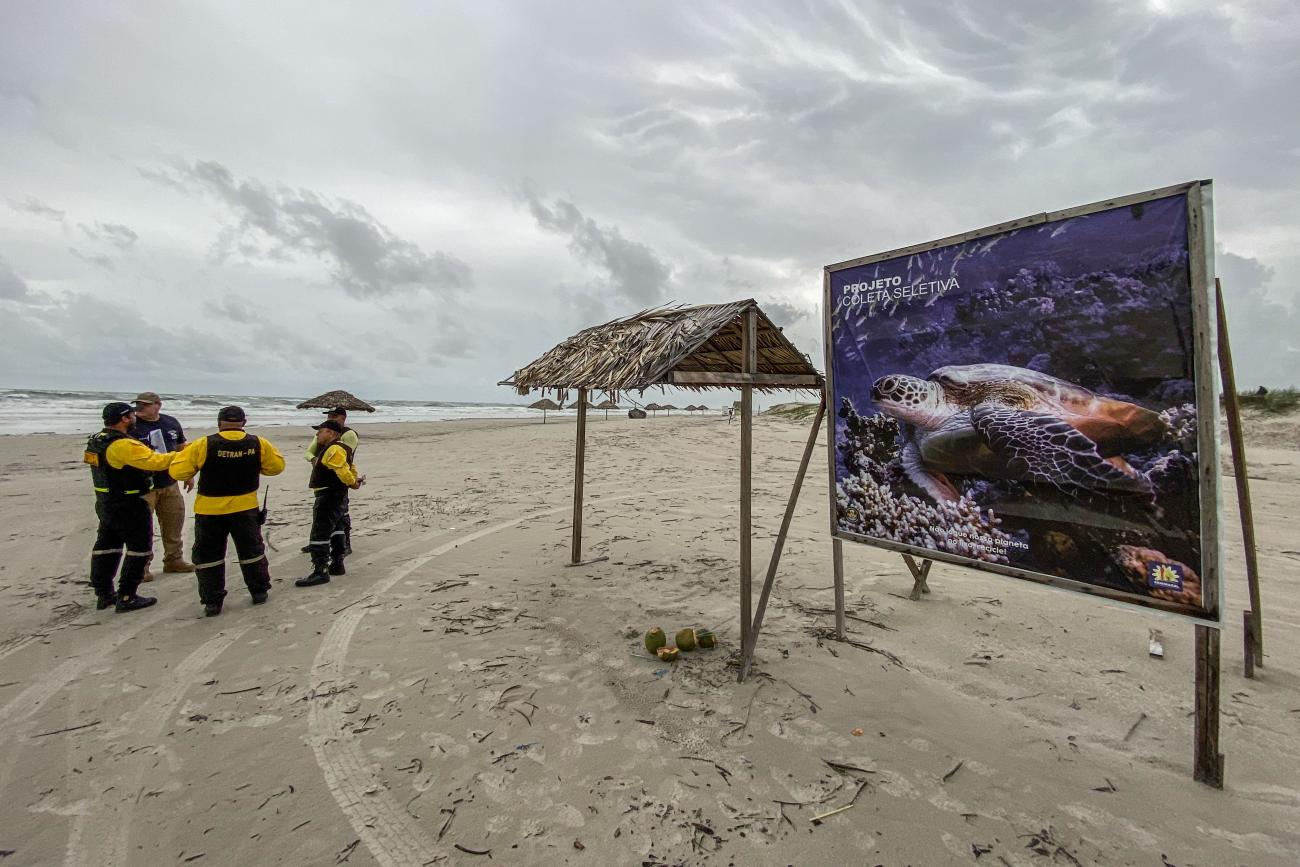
(461, 691)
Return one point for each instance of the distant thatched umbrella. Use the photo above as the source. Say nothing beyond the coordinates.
(669, 407)
(606, 405)
(331, 399)
(544, 405)
(653, 407)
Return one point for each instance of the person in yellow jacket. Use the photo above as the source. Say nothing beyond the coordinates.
(332, 476)
(351, 440)
(230, 464)
(120, 470)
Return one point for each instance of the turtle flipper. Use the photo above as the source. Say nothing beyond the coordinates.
(935, 484)
(1038, 447)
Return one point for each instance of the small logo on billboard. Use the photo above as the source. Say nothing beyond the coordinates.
(851, 514)
(1165, 576)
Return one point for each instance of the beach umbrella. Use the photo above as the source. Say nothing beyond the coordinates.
(331, 399)
(653, 407)
(669, 407)
(606, 405)
(544, 405)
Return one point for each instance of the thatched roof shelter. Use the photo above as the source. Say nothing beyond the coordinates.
(606, 405)
(652, 407)
(331, 399)
(727, 346)
(687, 347)
(545, 405)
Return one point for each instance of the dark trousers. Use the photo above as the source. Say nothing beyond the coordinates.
(328, 532)
(125, 528)
(210, 532)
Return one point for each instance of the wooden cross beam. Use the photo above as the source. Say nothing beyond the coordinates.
(919, 575)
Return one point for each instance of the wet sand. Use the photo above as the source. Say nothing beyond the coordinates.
(461, 690)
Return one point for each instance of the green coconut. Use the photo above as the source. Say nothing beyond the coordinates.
(705, 638)
(655, 639)
(667, 654)
(686, 639)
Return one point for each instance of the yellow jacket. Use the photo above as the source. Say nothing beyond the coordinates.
(187, 464)
(130, 452)
(337, 460)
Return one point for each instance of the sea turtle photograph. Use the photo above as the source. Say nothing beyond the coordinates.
(1027, 400)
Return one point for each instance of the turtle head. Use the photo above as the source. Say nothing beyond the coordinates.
(907, 398)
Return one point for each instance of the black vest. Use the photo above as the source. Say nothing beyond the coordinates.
(232, 467)
(321, 475)
(113, 484)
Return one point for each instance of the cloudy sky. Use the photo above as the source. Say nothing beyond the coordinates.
(413, 199)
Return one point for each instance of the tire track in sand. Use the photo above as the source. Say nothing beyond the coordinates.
(389, 832)
(99, 837)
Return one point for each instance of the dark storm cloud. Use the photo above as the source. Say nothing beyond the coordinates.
(34, 206)
(784, 314)
(12, 286)
(636, 273)
(1265, 329)
(366, 259)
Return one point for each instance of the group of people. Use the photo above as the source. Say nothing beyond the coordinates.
(135, 464)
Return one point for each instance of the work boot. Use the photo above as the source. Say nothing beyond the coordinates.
(147, 576)
(259, 598)
(337, 567)
(102, 602)
(178, 566)
(134, 603)
(212, 610)
(306, 549)
(316, 577)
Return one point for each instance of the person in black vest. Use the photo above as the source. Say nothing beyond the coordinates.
(332, 475)
(230, 465)
(120, 468)
(351, 440)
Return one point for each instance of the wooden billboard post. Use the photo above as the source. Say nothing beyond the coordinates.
(1252, 620)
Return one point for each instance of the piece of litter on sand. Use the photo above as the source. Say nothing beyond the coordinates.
(1155, 644)
(817, 819)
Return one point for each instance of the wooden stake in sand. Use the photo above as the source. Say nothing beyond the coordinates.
(579, 459)
(749, 363)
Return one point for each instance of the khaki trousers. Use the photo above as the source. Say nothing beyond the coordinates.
(169, 505)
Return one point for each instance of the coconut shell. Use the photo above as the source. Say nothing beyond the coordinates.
(705, 638)
(686, 639)
(667, 654)
(655, 639)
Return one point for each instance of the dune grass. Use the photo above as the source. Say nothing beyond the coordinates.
(1278, 401)
(793, 411)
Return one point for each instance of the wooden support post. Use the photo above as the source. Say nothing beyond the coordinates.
(749, 363)
(837, 561)
(1255, 634)
(578, 461)
(1248, 630)
(1208, 763)
(747, 651)
(919, 575)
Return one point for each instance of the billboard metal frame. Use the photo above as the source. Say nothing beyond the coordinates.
(1201, 266)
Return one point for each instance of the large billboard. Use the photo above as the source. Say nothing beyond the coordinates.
(1038, 399)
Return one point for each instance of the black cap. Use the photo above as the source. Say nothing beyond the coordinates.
(329, 424)
(114, 412)
(231, 413)
(338, 410)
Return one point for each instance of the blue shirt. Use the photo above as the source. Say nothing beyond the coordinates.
(162, 435)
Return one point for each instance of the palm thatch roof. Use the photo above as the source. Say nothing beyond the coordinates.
(545, 403)
(331, 399)
(606, 404)
(653, 407)
(665, 346)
